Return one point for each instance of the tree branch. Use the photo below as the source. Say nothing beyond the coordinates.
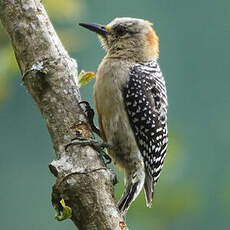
(50, 76)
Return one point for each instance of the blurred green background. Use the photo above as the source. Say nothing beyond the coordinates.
(194, 189)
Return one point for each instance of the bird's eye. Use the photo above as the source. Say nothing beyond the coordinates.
(121, 30)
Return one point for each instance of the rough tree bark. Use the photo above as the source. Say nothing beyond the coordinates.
(50, 76)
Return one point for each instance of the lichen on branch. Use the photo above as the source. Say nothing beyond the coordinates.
(50, 76)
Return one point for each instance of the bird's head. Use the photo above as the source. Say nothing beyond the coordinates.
(127, 38)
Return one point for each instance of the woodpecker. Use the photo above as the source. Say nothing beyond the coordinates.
(131, 101)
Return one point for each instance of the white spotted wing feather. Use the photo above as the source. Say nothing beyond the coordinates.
(145, 99)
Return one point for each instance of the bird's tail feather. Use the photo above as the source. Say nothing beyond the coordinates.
(149, 189)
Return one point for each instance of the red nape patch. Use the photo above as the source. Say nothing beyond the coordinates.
(153, 41)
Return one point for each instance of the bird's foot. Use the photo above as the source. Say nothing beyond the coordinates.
(97, 145)
(89, 112)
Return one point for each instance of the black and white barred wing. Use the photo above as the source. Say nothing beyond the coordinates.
(145, 100)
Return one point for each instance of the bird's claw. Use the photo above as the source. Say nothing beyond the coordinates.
(89, 112)
(97, 145)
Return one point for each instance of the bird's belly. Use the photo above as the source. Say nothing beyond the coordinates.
(113, 119)
(120, 136)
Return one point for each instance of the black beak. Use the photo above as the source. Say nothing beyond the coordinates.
(99, 29)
